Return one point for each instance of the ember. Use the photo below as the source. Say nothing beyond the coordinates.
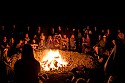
(52, 60)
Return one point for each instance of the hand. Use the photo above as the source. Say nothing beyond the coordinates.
(100, 60)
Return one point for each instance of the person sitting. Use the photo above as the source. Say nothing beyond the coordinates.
(34, 44)
(27, 68)
(3, 72)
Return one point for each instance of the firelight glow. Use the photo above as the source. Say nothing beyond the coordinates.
(52, 60)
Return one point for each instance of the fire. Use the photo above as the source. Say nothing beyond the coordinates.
(52, 60)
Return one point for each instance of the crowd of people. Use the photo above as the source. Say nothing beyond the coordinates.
(95, 41)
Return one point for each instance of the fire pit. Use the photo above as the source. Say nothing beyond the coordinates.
(58, 61)
(58, 64)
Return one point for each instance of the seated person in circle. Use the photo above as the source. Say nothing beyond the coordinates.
(27, 68)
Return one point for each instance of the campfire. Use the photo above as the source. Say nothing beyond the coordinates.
(59, 61)
(52, 61)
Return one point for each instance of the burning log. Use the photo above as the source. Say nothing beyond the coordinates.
(55, 63)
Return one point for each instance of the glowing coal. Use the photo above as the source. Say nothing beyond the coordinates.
(52, 60)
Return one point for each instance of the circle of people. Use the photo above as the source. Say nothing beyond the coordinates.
(75, 39)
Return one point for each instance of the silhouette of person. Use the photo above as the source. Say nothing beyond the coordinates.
(118, 69)
(27, 68)
(3, 72)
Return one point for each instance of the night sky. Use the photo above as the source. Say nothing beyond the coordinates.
(69, 14)
(64, 20)
(65, 15)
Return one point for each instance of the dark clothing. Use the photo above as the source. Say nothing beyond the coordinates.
(118, 70)
(27, 68)
(26, 71)
(3, 45)
(119, 61)
(12, 50)
(3, 72)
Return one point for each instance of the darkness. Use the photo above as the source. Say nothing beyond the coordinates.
(53, 14)
(65, 20)
(76, 14)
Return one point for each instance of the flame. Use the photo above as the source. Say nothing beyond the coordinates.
(52, 61)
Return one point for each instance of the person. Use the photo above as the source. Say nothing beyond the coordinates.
(117, 71)
(4, 48)
(27, 68)
(3, 72)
